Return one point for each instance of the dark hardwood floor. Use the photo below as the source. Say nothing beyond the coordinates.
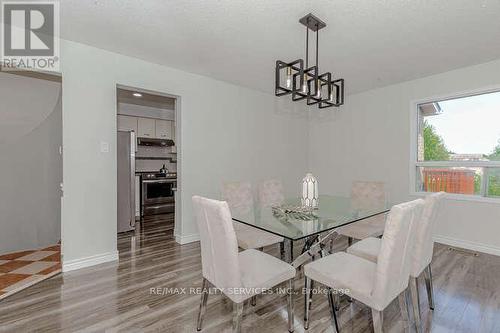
(119, 297)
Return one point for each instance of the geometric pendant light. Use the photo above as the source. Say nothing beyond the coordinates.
(304, 82)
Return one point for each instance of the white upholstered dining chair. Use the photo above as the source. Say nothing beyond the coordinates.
(239, 276)
(366, 195)
(369, 249)
(239, 197)
(374, 284)
(270, 193)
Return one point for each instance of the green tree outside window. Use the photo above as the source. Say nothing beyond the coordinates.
(494, 174)
(434, 147)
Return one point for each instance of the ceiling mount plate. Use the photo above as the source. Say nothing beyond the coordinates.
(312, 22)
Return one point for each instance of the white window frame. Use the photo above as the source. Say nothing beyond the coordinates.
(414, 163)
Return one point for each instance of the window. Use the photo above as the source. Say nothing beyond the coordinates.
(458, 146)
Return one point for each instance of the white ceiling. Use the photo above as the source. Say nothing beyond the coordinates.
(371, 43)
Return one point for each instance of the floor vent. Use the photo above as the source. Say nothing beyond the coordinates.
(463, 251)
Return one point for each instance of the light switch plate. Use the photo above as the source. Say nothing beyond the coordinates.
(104, 147)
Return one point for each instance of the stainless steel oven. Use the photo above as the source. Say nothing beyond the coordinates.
(158, 193)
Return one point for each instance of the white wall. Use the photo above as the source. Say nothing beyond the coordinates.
(226, 133)
(30, 163)
(369, 139)
(233, 133)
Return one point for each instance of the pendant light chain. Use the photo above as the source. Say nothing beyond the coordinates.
(317, 48)
(307, 45)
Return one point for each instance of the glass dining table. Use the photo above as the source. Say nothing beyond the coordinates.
(332, 212)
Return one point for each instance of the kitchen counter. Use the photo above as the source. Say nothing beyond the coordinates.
(170, 159)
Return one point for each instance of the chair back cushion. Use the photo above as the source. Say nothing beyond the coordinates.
(219, 247)
(424, 244)
(271, 193)
(394, 258)
(239, 197)
(368, 195)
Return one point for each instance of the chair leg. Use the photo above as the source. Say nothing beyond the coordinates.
(349, 241)
(333, 313)
(237, 316)
(288, 250)
(336, 301)
(290, 305)
(428, 285)
(253, 300)
(311, 294)
(403, 305)
(309, 289)
(336, 296)
(378, 320)
(203, 303)
(307, 297)
(415, 302)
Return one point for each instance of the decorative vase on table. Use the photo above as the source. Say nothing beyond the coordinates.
(310, 195)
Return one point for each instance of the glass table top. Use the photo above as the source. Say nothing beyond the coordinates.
(333, 212)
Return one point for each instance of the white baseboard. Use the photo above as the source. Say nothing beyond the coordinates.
(468, 245)
(185, 239)
(71, 265)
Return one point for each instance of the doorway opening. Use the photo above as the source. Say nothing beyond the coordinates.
(147, 178)
(31, 175)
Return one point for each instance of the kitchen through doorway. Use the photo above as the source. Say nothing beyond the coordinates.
(147, 145)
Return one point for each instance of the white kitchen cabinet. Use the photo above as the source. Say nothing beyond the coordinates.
(127, 123)
(146, 128)
(163, 129)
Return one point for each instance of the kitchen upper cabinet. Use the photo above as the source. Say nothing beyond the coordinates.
(164, 129)
(146, 128)
(127, 123)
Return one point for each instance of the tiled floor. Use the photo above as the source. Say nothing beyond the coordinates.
(22, 269)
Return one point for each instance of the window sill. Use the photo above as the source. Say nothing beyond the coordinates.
(461, 197)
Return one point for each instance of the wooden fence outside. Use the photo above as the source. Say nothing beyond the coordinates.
(451, 181)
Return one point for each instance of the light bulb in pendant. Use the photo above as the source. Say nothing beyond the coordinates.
(318, 93)
(304, 85)
(288, 77)
(331, 94)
